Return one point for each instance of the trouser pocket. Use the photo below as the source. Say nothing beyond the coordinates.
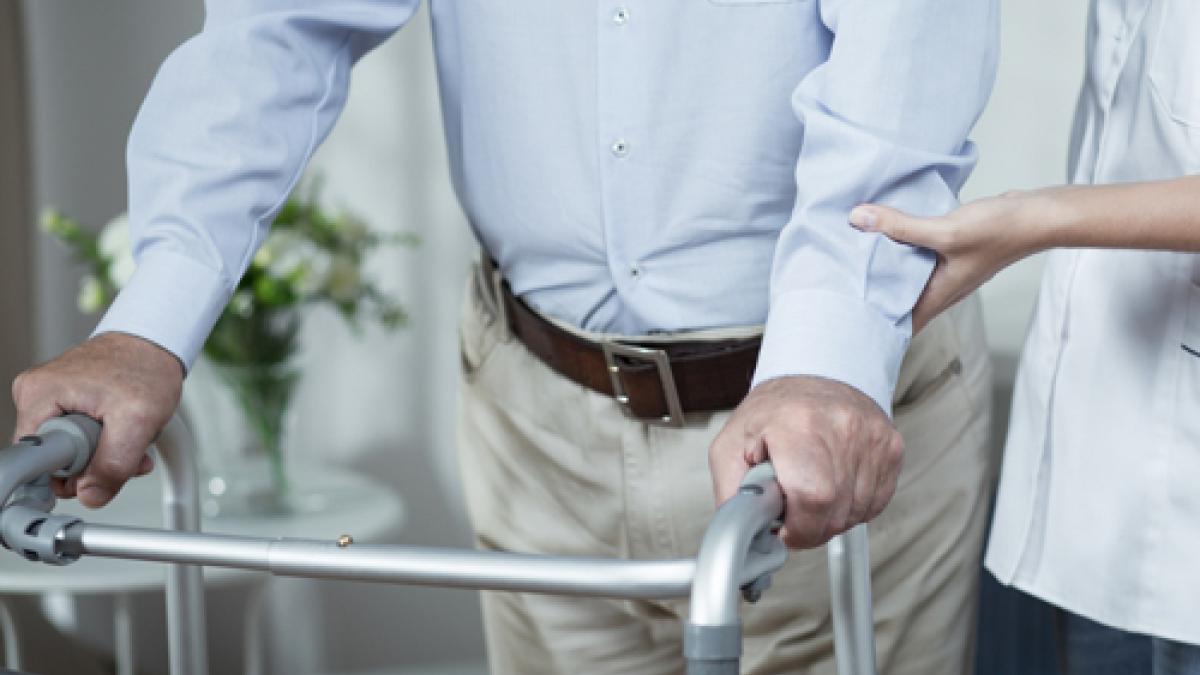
(478, 330)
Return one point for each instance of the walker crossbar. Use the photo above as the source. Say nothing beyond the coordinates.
(736, 559)
(559, 575)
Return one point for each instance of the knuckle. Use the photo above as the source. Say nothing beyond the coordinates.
(838, 526)
(815, 495)
(25, 386)
(880, 436)
(895, 447)
(18, 385)
(114, 465)
(140, 411)
(842, 419)
(844, 412)
(801, 422)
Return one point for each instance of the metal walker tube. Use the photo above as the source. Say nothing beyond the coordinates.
(737, 556)
(187, 639)
(741, 527)
(850, 597)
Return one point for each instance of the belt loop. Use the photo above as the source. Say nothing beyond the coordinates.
(493, 289)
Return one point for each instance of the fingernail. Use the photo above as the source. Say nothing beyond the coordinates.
(864, 219)
(94, 496)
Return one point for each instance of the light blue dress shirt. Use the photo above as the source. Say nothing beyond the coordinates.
(633, 165)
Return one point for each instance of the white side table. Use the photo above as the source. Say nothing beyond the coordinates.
(332, 501)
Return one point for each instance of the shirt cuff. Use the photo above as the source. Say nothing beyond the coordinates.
(171, 300)
(834, 336)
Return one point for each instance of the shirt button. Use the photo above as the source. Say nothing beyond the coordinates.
(635, 271)
(621, 16)
(620, 148)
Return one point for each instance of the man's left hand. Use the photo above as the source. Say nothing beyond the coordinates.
(837, 456)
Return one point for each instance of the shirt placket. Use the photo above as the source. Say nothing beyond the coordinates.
(620, 143)
(620, 147)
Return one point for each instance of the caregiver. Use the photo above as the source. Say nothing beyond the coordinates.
(1099, 504)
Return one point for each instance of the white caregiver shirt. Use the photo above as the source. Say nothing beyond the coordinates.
(1099, 503)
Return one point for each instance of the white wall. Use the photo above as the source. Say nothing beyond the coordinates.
(1023, 135)
(385, 404)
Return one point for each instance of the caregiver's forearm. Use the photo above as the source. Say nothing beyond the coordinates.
(1161, 215)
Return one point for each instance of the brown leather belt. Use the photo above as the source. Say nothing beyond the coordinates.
(655, 382)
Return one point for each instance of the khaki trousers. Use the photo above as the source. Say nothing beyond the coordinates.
(551, 467)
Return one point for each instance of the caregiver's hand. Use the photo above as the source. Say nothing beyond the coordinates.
(973, 242)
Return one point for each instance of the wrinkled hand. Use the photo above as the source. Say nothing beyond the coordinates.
(130, 385)
(836, 454)
(973, 243)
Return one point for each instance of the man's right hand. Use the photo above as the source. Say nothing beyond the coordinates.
(130, 385)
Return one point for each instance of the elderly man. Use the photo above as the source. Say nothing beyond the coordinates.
(666, 174)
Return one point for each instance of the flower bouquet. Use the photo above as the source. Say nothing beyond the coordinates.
(310, 258)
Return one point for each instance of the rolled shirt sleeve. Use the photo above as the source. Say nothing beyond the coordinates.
(228, 125)
(885, 120)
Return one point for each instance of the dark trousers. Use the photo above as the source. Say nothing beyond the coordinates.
(1090, 648)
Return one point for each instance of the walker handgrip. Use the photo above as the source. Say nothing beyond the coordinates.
(80, 432)
(63, 446)
(712, 642)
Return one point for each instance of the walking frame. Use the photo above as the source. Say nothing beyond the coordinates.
(737, 556)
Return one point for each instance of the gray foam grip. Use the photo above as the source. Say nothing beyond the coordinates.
(81, 431)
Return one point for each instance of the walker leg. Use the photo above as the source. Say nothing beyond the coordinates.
(187, 643)
(252, 656)
(12, 639)
(850, 593)
(123, 634)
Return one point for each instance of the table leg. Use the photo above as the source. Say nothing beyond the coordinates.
(12, 639)
(123, 633)
(253, 656)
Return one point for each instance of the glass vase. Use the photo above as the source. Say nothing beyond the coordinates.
(241, 416)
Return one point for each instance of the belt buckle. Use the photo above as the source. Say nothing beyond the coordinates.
(658, 357)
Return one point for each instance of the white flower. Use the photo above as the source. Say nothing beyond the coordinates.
(290, 256)
(345, 280)
(114, 238)
(314, 274)
(284, 253)
(352, 230)
(122, 270)
(242, 303)
(266, 254)
(91, 295)
(116, 244)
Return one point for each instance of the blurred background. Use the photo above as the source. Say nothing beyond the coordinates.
(72, 76)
